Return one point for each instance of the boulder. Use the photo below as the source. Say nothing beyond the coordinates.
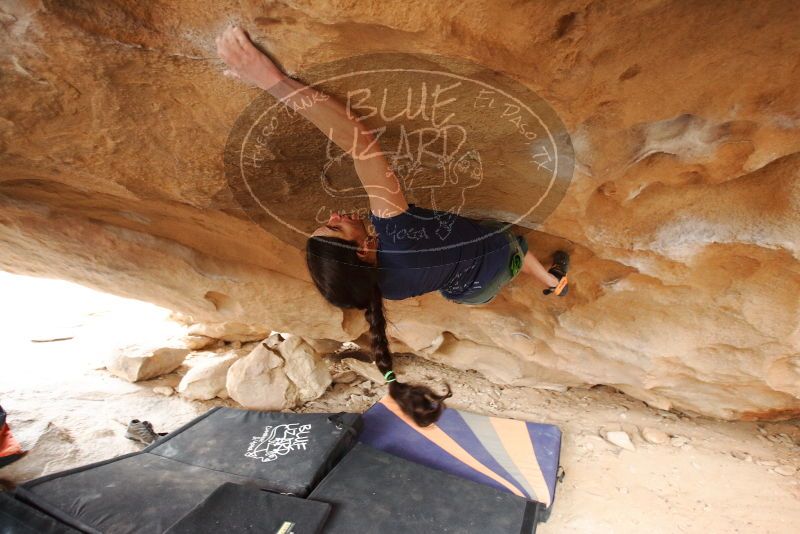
(135, 363)
(365, 369)
(259, 382)
(304, 367)
(207, 376)
(274, 339)
(324, 346)
(198, 342)
(284, 376)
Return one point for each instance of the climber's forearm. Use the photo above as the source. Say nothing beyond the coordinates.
(250, 65)
(344, 129)
(325, 112)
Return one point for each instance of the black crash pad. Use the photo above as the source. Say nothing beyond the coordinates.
(284, 452)
(241, 509)
(377, 492)
(146, 492)
(17, 517)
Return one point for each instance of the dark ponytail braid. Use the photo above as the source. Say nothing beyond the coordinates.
(419, 402)
(347, 282)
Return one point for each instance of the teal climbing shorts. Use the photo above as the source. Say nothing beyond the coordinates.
(518, 246)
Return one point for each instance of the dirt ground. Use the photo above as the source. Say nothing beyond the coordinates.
(707, 477)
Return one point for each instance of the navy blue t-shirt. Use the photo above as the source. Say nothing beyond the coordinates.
(422, 250)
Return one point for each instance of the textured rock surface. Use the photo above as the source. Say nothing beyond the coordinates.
(366, 369)
(682, 218)
(305, 368)
(278, 374)
(206, 376)
(620, 439)
(135, 363)
(655, 436)
(258, 381)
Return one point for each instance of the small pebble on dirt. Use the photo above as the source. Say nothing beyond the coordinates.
(655, 436)
(620, 439)
(785, 470)
(740, 455)
(679, 441)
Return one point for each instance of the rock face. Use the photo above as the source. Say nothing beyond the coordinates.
(135, 363)
(258, 382)
(682, 218)
(207, 375)
(365, 369)
(278, 374)
(305, 368)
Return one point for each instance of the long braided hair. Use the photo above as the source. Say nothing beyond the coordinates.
(347, 282)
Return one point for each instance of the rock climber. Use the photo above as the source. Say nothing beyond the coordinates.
(412, 251)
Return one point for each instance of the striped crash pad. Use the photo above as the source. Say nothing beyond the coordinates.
(514, 456)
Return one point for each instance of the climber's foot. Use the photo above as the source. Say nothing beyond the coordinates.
(559, 270)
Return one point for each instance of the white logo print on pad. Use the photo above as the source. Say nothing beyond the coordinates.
(277, 441)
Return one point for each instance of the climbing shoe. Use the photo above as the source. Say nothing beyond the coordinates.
(559, 270)
(141, 431)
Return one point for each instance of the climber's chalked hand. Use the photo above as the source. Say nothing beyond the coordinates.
(244, 61)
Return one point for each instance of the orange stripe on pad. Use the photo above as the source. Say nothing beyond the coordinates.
(517, 442)
(436, 435)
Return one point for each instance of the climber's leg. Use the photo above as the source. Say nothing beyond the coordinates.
(531, 266)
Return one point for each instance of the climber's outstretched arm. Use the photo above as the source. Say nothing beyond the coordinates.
(248, 64)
